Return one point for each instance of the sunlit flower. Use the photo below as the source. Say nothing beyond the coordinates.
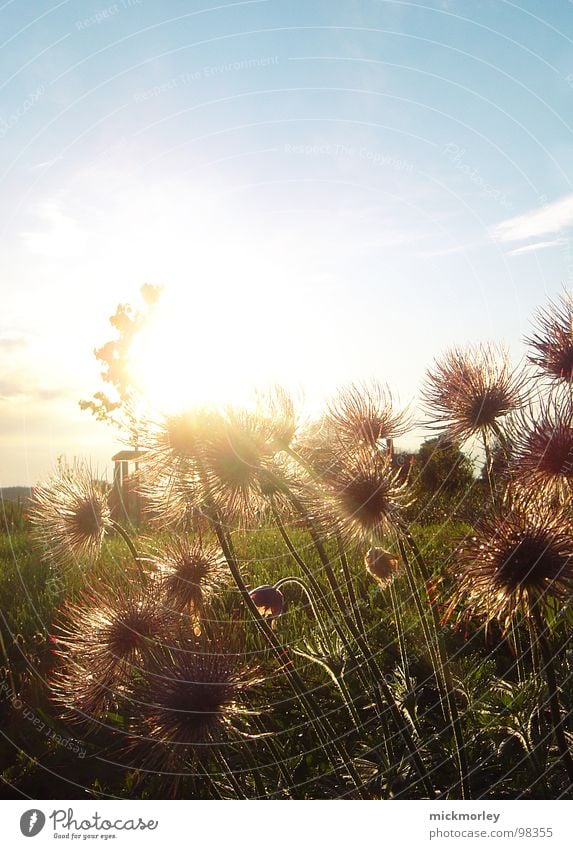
(269, 600)
(552, 341)
(364, 493)
(70, 514)
(364, 415)
(516, 561)
(188, 702)
(469, 391)
(241, 470)
(276, 413)
(190, 573)
(104, 637)
(542, 448)
(382, 565)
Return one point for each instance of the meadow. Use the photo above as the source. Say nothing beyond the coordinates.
(303, 612)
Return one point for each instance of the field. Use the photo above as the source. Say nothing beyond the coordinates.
(501, 703)
(270, 609)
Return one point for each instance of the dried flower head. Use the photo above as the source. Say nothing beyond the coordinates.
(365, 493)
(70, 514)
(190, 573)
(542, 448)
(552, 340)
(516, 561)
(104, 637)
(173, 447)
(364, 415)
(269, 600)
(382, 565)
(468, 391)
(188, 702)
(241, 470)
(276, 413)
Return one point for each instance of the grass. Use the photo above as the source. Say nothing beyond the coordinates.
(41, 756)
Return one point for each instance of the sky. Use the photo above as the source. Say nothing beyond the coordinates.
(328, 192)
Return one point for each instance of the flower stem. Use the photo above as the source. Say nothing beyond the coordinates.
(326, 735)
(130, 544)
(443, 672)
(557, 719)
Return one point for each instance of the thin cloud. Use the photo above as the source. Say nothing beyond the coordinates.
(9, 343)
(536, 246)
(551, 218)
(17, 386)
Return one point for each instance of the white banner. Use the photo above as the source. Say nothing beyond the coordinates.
(243, 825)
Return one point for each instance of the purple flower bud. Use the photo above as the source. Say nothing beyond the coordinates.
(269, 600)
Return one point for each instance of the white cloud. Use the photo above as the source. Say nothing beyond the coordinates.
(536, 246)
(551, 218)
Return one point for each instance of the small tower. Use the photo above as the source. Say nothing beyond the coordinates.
(126, 503)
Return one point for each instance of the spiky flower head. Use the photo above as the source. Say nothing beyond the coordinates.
(242, 468)
(70, 514)
(363, 415)
(552, 341)
(190, 573)
(189, 701)
(222, 460)
(269, 600)
(516, 561)
(542, 449)
(470, 390)
(364, 493)
(105, 637)
(382, 565)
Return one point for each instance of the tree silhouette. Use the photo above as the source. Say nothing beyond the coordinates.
(114, 356)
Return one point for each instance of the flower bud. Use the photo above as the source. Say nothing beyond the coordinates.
(382, 565)
(269, 600)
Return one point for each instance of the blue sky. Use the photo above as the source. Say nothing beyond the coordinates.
(329, 191)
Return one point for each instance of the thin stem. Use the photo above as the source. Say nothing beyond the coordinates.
(382, 688)
(328, 738)
(400, 634)
(444, 670)
(333, 619)
(130, 544)
(557, 719)
(354, 605)
(489, 467)
(290, 579)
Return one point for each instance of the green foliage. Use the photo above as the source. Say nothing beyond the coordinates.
(441, 467)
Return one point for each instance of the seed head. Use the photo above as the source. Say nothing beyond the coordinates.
(190, 573)
(70, 514)
(104, 638)
(516, 561)
(469, 391)
(552, 341)
(364, 492)
(189, 701)
(364, 416)
(542, 449)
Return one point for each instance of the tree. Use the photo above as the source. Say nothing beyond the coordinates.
(440, 466)
(114, 356)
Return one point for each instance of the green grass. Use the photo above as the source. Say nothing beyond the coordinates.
(36, 763)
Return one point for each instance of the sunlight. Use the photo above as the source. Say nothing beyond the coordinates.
(203, 347)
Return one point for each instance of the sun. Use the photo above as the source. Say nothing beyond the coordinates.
(200, 350)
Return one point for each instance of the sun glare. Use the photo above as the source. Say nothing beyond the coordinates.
(187, 357)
